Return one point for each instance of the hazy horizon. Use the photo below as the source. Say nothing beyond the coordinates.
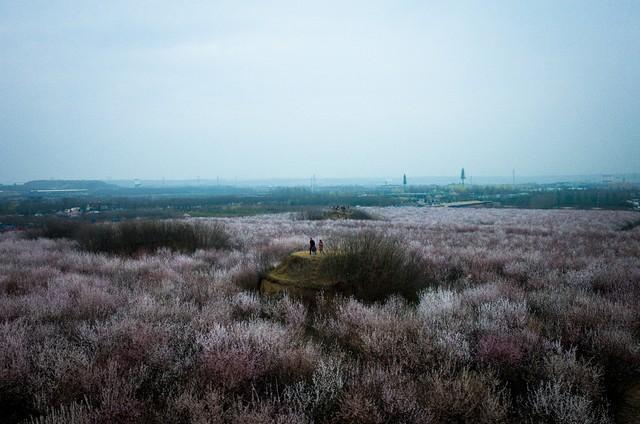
(328, 181)
(256, 91)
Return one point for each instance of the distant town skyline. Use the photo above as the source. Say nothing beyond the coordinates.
(375, 180)
(276, 90)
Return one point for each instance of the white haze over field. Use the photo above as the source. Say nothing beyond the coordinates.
(250, 90)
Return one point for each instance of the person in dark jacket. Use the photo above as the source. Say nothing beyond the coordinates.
(312, 246)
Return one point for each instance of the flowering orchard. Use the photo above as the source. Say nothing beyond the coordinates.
(533, 318)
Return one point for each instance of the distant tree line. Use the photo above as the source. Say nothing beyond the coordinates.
(298, 198)
(582, 199)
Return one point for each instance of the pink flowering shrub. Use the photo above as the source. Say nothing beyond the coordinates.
(235, 356)
(501, 348)
(466, 396)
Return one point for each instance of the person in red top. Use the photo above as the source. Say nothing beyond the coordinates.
(320, 246)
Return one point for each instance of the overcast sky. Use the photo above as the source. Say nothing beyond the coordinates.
(240, 89)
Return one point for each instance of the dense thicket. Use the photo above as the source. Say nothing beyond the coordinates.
(138, 236)
(337, 212)
(372, 266)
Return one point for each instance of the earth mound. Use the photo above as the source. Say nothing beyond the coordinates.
(300, 274)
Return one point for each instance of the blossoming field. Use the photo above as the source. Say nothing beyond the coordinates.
(532, 316)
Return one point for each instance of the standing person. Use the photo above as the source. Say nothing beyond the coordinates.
(320, 246)
(312, 246)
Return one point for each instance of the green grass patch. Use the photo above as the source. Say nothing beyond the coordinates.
(301, 270)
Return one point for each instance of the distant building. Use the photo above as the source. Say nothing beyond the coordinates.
(75, 211)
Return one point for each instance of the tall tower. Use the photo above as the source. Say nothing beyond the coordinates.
(462, 177)
(404, 182)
